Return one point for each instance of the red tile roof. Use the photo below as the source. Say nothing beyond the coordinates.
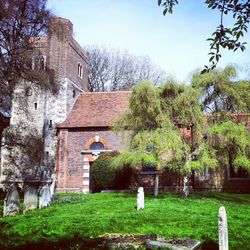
(97, 109)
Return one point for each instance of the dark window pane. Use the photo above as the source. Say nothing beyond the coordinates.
(96, 146)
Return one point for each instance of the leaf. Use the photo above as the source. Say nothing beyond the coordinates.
(165, 11)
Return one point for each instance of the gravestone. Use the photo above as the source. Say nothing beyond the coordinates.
(223, 230)
(11, 202)
(140, 198)
(45, 197)
(185, 191)
(30, 198)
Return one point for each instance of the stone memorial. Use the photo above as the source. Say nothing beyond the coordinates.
(30, 198)
(223, 230)
(140, 198)
(45, 197)
(185, 191)
(11, 202)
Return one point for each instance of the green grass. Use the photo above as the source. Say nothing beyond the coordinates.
(87, 216)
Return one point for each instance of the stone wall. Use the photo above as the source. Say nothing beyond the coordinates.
(41, 109)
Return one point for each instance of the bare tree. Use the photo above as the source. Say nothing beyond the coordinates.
(112, 69)
(21, 23)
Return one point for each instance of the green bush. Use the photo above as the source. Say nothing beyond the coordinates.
(104, 176)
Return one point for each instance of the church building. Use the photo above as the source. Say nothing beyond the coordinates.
(76, 125)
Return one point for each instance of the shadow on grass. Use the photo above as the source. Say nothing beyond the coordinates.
(78, 243)
(228, 197)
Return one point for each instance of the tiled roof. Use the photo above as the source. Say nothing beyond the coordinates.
(96, 109)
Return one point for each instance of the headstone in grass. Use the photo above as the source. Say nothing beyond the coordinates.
(185, 191)
(223, 230)
(45, 197)
(11, 202)
(140, 198)
(30, 198)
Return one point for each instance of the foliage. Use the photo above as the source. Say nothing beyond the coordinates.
(107, 176)
(234, 143)
(97, 214)
(222, 37)
(157, 116)
(154, 115)
(112, 69)
(103, 175)
(220, 92)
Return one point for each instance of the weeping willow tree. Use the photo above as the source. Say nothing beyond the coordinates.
(222, 92)
(224, 96)
(155, 116)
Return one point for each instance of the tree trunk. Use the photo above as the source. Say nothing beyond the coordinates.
(156, 188)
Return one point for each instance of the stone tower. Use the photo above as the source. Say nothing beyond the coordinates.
(40, 110)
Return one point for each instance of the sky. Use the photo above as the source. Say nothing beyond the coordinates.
(177, 42)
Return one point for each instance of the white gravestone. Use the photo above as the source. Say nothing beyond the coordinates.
(140, 198)
(11, 202)
(45, 197)
(185, 191)
(30, 198)
(223, 230)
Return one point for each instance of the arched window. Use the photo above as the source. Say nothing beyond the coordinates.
(96, 146)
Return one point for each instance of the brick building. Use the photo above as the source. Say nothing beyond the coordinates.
(43, 110)
(87, 132)
(76, 126)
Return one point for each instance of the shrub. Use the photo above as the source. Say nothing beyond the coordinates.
(105, 176)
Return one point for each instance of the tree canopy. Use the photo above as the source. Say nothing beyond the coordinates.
(159, 117)
(221, 92)
(223, 37)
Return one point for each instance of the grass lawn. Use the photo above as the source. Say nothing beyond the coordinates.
(83, 216)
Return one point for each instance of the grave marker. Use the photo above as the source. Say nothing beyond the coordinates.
(223, 229)
(11, 202)
(140, 198)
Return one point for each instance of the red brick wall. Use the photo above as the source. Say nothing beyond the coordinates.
(70, 158)
(65, 53)
(75, 55)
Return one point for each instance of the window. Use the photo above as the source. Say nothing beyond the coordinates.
(50, 123)
(39, 62)
(79, 70)
(74, 93)
(239, 173)
(35, 105)
(149, 167)
(28, 91)
(96, 146)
